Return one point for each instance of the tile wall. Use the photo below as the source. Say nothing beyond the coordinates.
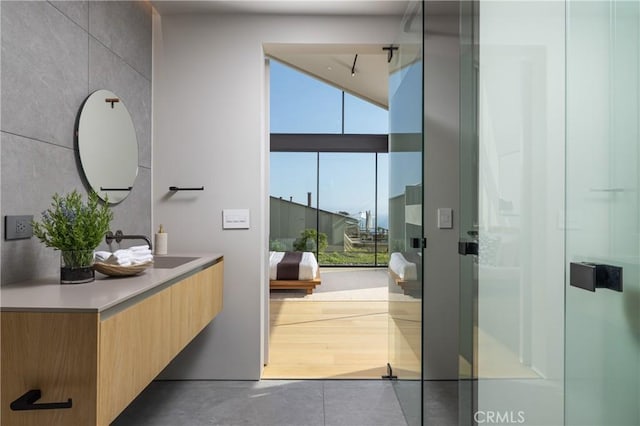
(54, 55)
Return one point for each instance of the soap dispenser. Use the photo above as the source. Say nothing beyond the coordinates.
(161, 241)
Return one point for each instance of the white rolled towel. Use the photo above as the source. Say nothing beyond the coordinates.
(122, 254)
(101, 256)
(142, 259)
(119, 261)
(138, 255)
(139, 249)
(122, 257)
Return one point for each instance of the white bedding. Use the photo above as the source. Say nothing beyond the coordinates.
(308, 269)
(406, 270)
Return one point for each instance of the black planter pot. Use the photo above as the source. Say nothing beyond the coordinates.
(76, 267)
(77, 275)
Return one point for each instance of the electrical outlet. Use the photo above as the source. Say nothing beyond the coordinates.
(18, 227)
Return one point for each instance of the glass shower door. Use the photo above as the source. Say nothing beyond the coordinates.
(405, 213)
(511, 202)
(602, 326)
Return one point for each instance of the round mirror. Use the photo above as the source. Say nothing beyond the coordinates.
(108, 146)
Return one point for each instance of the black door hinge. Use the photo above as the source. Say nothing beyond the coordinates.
(418, 242)
(389, 375)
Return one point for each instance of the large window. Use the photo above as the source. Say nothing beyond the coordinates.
(329, 179)
(293, 204)
(362, 117)
(302, 104)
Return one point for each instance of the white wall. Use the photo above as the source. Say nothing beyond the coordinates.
(441, 186)
(210, 129)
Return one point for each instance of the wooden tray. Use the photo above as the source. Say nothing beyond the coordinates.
(120, 271)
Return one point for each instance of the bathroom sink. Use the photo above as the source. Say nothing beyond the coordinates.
(168, 262)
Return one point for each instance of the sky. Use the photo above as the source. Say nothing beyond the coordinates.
(302, 104)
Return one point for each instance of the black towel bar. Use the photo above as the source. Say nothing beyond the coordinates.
(27, 402)
(177, 188)
(116, 189)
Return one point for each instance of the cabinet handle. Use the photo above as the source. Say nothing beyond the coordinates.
(27, 402)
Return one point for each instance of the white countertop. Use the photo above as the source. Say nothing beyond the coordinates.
(48, 295)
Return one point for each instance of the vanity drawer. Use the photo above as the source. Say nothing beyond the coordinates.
(134, 348)
(56, 353)
(195, 301)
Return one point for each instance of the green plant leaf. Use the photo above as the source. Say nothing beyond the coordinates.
(71, 224)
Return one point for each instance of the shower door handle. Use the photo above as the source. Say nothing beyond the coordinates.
(589, 276)
(468, 247)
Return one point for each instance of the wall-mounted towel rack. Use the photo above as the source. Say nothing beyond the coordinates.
(116, 189)
(27, 402)
(177, 188)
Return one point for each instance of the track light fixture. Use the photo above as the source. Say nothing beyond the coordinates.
(353, 68)
(389, 51)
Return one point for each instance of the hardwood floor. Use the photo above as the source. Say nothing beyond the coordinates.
(320, 340)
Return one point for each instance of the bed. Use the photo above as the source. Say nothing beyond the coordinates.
(293, 271)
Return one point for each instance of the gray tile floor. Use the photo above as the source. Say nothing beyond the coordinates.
(265, 403)
(440, 402)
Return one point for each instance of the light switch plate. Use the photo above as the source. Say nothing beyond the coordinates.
(445, 218)
(235, 219)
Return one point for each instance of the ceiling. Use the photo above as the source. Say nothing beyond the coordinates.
(283, 7)
(333, 65)
(330, 63)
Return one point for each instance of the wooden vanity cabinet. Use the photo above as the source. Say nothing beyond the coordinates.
(101, 360)
(193, 303)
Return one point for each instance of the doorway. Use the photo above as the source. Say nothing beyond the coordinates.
(329, 198)
(403, 330)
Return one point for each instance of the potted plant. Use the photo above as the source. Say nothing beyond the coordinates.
(76, 229)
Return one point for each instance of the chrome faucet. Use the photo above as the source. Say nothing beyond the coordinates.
(119, 236)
